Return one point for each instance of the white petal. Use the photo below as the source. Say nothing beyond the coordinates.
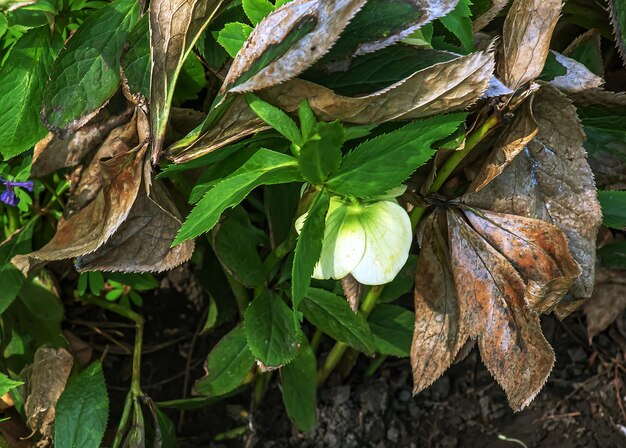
(388, 236)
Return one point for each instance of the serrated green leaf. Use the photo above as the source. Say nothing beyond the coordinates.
(617, 8)
(233, 36)
(265, 167)
(613, 255)
(191, 80)
(82, 410)
(321, 154)
(392, 327)
(22, 80)
(459, 23)
(299, 386)
(386, 161)
(11, 278)
(228, 364)
(257, 10)
(587, 50)
(272, 333)
(276, 118)
(333, 316)
(136, 60)
(613, 208)
(308, 248)
(87, 71)
(7, 384)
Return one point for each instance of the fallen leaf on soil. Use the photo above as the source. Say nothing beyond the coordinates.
(443, 87)
(287, 42)
(551, 180)
(608, 301)
(526, 40)
(50, 370)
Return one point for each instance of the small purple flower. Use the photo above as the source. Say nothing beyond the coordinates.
(8, 196)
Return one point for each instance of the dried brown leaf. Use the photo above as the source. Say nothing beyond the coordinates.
(324, 20)
(608, 301)
(551, 180)
(491, 295)
(483, 20)
(513, 140)
(446, 86)
(537, 250)
(526, 40)
(352, 289)
(577, 78)
(50, 369)
(440, 329)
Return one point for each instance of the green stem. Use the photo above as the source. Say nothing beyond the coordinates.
(375, 364)
(315, 340)
(240, 292)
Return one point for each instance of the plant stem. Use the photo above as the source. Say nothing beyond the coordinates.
(240, 292)
(375, 364)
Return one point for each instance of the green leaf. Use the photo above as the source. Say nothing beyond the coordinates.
(333, 316)
(587, 51)
(378, 165)
(7, 384)
(308, 248)
(257, 10)
(236, 243)
(617, 9)
(265, 167)
(276, 118)
(167, 430)
(211, 317)
(299, 386)
(308, 123)
(87, 71)
(613, 208)
(392, 327)
(459, 23)
(82, 410)
(11, 278)
(191, 80)
(273, 335)
(4, 24)
(22, 80)
(136, 60)
(613, 255)
(228, 364)
(281, 202)
(321, 154)
(552, 68)
(233, 36)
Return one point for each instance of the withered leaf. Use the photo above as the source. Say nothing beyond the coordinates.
(352, 289)
(551, 180)
(53, 153)
(288, 41)
(491, 295)
(440, 329)
(577, 78)
(608, 301)
(175, 25)
(142, 242)
(526, 40)
(537, 250)
(513, 140)
(442, 87)
(495, 6)
(49, 372)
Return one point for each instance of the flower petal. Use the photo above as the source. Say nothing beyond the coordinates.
(388, 236)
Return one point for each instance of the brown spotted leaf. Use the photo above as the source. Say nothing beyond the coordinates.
(608, 301)
(142, 242)
(577, 78)
(442, 87)
(551, 180)
(440, 329)
(491, 295)
(537, 250)
(482, 20)
(526, 40)
(513, 140)
(49, 372)
(175, 26)
(288, 41)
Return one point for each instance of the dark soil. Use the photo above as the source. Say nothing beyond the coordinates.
(580, 406)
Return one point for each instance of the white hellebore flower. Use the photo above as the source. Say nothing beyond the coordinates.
(371, 241)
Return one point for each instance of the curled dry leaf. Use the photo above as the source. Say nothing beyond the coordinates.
(608, 301)
(49, 372)
(551, 180)
(577, 78)
(352, 289)
(491, 295)
(495, 6)
(288, 41)
(442, 87)
(175, 25)
(526, 40)
(440, 328)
